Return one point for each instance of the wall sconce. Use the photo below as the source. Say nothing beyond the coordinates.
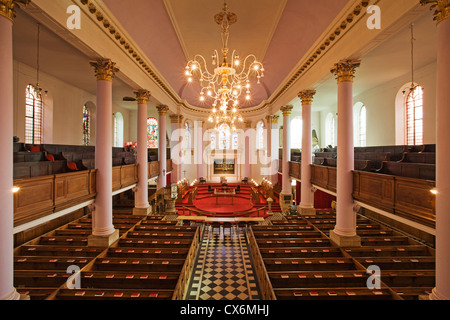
(15, 189)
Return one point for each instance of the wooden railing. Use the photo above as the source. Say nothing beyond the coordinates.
(42, 196)
(197, 212)
(405, 197)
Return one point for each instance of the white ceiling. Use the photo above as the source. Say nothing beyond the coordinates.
(169, 31)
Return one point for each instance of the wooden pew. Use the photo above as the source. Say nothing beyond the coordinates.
(333, 294)
(424, 171)
(114, 294)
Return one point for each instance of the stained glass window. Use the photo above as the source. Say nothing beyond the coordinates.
(213, 141)
(224, 137)
(152, 133)
(235, 141)
(33, 116)
(260, 135)
(86, 126)
(414, 117)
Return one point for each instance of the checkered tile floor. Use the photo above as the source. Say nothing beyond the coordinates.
(223, 268)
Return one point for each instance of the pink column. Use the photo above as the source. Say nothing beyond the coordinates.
(7, 290)
(344, 233)
(162, 111)
(442, 289)
(275, 145)
(199, 147)
(103, 231)
(286, 190)
(176, 147)
(247, 137)
(307, 194)
(141, 205)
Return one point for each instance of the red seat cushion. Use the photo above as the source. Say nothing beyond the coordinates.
(50, 157)
(35, 149)
(72, 166)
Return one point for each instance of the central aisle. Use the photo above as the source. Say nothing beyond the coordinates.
(223, 270)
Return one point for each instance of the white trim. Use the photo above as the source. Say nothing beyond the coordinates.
(325, 190)
(48, 218)
(123, 190)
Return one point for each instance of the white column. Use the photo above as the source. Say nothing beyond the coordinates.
(141, 204)
(307, 194)
(442, 16)
(162, 147)
(7, 290)
(286, 191)
(344, 233)
(103, 231)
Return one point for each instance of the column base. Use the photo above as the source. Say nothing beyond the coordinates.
(306, 211)
(100, 241)
(142, 211)
(433, 296)
(345, 241)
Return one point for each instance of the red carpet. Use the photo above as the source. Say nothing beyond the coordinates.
(224, 204)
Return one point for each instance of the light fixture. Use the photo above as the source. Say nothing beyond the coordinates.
(37, 86)
(229, 79)
(15, 189)
(413, 87)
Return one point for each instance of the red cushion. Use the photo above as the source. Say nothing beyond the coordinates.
(35, 149)
(50, 157)
(72, 166)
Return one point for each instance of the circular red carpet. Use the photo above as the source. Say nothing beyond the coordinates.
(208, 203)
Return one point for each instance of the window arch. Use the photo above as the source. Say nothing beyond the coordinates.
(33, 116)
(152, 133)
(414, 116)
(330, 129)
(86, 125)
(296, 133)
(260, 135)
(118, 130)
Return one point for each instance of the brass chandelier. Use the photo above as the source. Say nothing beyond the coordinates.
(229, 80)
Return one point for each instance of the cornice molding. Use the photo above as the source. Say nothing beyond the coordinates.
(8, 8)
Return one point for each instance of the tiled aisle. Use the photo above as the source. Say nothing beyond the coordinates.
(223, 269)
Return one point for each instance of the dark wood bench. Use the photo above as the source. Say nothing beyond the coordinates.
(153, 243)
(399, 263)
(114, 294)
(163, 253)
(56, 251)
(316, 252)
(48, 263)
(390, 251)
(138, 264)
(309, 264)
(333, 294)
(281, 243)
(425, 171)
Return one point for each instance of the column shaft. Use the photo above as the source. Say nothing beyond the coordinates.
(162, 147)
(142, 206)
(442, 289)
(7, 290)
(286, 187)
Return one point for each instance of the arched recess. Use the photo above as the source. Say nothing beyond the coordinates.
(91, 108)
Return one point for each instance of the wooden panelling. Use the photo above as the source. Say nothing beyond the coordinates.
(414, 201)
(295, 169)
(128, 175)
(374, 189)
(153, 168)
(34, 199)
(116, 178)
(70, 188)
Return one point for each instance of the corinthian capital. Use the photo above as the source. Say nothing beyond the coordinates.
(162, 110)
(7, 8)
(105, 69)
(442, 8)
(142, 96)
(307, 96)
(345, 70)
(286, 110)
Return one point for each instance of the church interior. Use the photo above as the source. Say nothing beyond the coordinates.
(225, 150)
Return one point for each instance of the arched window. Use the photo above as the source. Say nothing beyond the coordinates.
(296, 133)
(224, 137)
(187, 135)
(260, 135)
(152, 133)
(33, 116)
(118, 130)
(86, 126)
(363, 127)
(330, 127)
(414, 116)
